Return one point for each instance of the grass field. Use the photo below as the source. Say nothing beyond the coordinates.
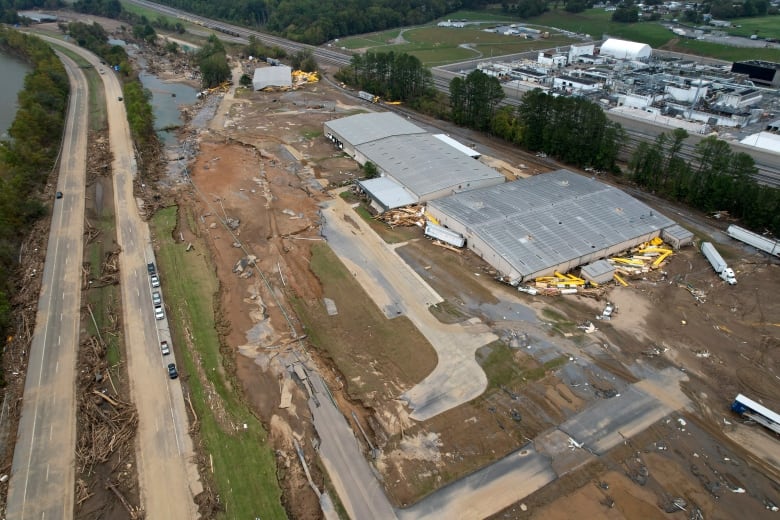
(244, 466)
(360, 339)
(442, 45)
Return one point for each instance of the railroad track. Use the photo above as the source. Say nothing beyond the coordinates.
(768, 164)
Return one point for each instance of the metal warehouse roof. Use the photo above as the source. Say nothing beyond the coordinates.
(388, 192)
(425, 164)
(549, 219)
(364, 128)
(471, 152)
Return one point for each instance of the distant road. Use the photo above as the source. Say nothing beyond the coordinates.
(43, 471)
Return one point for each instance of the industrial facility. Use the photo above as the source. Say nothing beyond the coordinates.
(550, 222)
(413, 165)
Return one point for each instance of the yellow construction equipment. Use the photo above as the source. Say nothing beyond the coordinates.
(432, 218)
(660, 251)
(628, 261)
(620, 280)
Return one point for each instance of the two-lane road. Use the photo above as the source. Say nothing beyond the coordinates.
(43, 471)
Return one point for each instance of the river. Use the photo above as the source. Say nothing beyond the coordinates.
(11, 82)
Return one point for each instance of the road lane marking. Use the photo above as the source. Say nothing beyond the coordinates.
(57, 367)
(59, 338)
(137, 292)
(51, 431)
(63, 295)
(47, 479)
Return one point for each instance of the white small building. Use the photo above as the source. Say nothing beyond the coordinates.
(576, 84)
(575, 51)
(279, 76)
(626, 50)
(552, 60)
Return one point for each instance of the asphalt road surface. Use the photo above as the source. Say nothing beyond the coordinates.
(167, 474)
(43, 471)
(358, 489)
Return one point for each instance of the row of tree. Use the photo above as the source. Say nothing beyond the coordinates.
(390, 75)
(574, 130)
(29, 156)
(715, 179)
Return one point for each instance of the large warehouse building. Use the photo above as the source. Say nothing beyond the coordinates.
(546, 223)
(350, 132)
(625, 50)
(414, 166)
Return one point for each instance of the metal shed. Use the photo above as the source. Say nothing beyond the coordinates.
(677, 236)
(546, 223)
(279, 76)
(599, 271)
(386, 194)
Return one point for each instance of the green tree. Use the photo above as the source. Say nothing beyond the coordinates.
(370, 170)
(474, 100)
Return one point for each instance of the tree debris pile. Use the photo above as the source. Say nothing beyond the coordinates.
(105, 451)
(408, 216)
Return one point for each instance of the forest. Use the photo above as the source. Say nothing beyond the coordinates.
(317, 21)
(716, 179)
(27, 159)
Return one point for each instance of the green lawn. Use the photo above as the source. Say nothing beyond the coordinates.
(441, 45)
(765, 26)
(244, 465)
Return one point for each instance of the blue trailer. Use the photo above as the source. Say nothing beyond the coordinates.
(754, 411)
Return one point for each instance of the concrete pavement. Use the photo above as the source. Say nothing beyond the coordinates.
(399, 290)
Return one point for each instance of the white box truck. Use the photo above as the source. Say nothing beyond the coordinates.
(718, 263)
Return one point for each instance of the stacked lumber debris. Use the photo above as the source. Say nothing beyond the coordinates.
(407, 216)
(640, 260)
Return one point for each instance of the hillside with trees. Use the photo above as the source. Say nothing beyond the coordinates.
(27, 159)
(317, 21)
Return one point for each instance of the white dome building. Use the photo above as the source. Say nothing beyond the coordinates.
(625, 50)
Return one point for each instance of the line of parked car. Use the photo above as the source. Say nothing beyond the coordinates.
(159, 314)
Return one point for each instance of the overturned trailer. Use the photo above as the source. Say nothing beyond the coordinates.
(761, 243)
(445, 235)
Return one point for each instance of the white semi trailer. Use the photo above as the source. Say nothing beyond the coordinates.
(761, 243)
(718, 263)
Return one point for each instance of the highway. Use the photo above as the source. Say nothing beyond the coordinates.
(167, 474)
(43, 471)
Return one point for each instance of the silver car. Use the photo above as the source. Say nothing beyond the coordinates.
(155, 280)
(156, 298)
(158, 312)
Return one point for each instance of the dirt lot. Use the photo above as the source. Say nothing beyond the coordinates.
(266, 164)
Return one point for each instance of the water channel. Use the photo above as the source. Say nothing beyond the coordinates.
(11, 82)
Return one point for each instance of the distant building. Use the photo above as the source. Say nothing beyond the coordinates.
(575, 51)
(625, 50)
(576, 84)
(279, 77)
(552, 60)
(766, 73)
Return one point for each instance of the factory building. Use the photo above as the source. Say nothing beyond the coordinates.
(413, 165)
(426, 167)
(550, 222)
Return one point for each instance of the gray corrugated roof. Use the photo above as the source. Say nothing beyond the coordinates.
(425, 164)
(364, 128)
(388, 192)
(552, 218)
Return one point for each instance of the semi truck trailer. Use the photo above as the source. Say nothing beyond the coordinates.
(718, 263)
